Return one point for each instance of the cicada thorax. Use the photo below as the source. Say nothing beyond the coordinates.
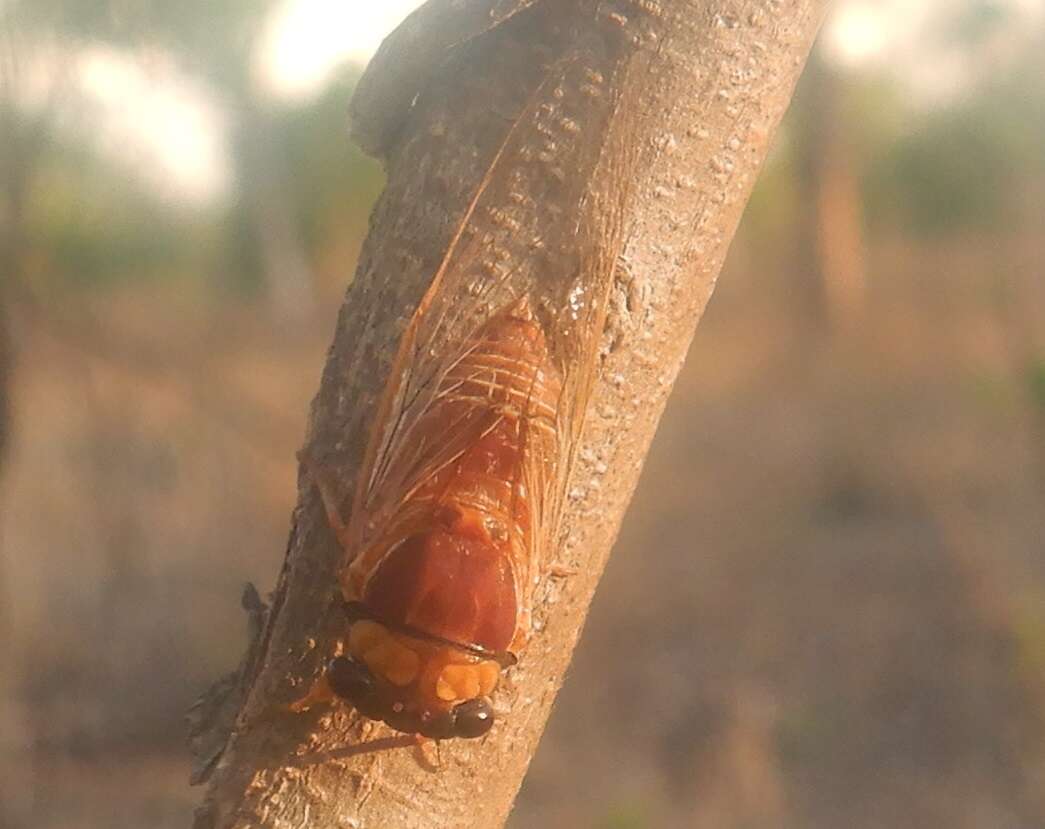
(445, 580)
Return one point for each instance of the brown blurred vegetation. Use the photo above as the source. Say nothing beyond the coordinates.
(827, 605)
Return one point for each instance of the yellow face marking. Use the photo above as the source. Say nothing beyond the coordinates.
(403, 669)
(383, 653)
(444, 690)
(363, 635)
(458, 682)
(489, 674)
(393, 661)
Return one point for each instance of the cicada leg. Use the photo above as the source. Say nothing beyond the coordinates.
(324, 482)
(427, 753)
(318, 694)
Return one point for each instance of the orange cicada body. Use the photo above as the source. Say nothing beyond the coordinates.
(455, 513)
(440, 596)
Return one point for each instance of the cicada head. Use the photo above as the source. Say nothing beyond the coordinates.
(414, 685)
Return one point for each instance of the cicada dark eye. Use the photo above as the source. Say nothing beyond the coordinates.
(437, 727)
(473, 718)
(350, 680)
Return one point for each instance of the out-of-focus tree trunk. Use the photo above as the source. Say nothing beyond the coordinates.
(830, 215)
(1020, 298)
(288, 279)
(6, 376)
(12, 771)
(707, 83)
(11, 735)
(13, 181)
(8, 266)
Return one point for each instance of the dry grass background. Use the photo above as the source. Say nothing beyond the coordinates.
(826, 608)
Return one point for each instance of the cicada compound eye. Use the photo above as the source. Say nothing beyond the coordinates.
(438, 726)
(473, 718)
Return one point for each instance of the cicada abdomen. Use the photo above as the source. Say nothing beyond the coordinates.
(456, 509)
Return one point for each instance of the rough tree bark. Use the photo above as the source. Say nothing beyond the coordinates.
(715, 79)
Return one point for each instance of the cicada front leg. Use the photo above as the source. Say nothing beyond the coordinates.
(323, 479)
(561, 571)
(427, 753)
(320, 693)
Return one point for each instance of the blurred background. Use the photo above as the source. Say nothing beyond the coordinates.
(827, 605)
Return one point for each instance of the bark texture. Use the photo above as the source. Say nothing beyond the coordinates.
(713, 80)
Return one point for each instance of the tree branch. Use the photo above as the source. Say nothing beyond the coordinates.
(713, 80)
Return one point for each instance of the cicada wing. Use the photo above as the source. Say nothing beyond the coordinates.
(507, 250)
(577, 336)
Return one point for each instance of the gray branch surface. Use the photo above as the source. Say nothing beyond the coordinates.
(714, 79)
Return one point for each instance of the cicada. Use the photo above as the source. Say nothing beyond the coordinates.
(455, 515)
